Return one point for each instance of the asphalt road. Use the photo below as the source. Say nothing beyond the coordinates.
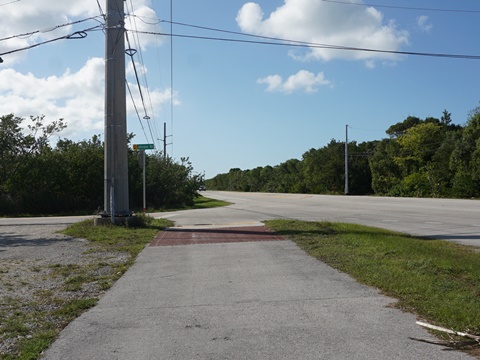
(446, 219)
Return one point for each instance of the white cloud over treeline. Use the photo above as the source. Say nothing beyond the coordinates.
(78, 97)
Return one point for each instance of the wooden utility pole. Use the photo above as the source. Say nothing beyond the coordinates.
(116, 152)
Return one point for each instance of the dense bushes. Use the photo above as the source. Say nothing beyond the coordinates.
(36, 178)
(321, 171)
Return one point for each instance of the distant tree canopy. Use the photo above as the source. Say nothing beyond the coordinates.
(423, 158)
(36, 178)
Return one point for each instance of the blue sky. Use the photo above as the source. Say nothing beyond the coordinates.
(239, 104)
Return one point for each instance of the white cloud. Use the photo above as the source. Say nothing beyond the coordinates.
(424, 24)
(303, 81)
(76, 97)
(327, 23)
(274, 82)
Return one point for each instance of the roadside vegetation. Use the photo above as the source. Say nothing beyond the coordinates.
(55, 293)
(437, 280)
(38, 178)
(429, 157)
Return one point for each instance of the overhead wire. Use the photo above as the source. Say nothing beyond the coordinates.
(136, 75)
(10, 2)
(275, 41)
(156, 22)
(158, 57)
(28, 34)
(146, 117)
(102, 13)
(296, 43)
(402, 7)
(75, 35)
(136, 109)
(151, 121)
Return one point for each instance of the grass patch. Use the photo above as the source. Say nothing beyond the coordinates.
(200, 202)
(438, 280)
(74, 308)
(32, 347)
(111, 238)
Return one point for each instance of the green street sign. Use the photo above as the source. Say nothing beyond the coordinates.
(143, 146)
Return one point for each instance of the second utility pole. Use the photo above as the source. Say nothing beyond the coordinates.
(165, 140)
(346, 159)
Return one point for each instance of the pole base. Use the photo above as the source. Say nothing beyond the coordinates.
(105, 214)
(106, 221)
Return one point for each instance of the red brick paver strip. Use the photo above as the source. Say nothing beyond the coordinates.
(180, 236)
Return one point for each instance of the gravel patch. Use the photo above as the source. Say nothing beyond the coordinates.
(38, 269)
(40, 243)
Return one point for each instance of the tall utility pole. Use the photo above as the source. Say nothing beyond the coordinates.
(165, 140)
(346, 159)
(116, 152)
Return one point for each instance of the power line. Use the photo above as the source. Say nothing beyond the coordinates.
(136, 110)
(10, 2)
(145, 80)
(294, 43)
(146, 117)
(156, 22)
(403, 7)
(131, 52)
(75, 35)
(102, 14)
(274, 42)
(136, 40)
(49, 29)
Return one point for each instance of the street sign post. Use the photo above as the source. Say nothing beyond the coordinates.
(143, 146)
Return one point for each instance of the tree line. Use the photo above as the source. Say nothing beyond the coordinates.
(428, 157)
(38, 178)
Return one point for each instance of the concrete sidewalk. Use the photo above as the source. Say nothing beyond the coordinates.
(253, 299)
